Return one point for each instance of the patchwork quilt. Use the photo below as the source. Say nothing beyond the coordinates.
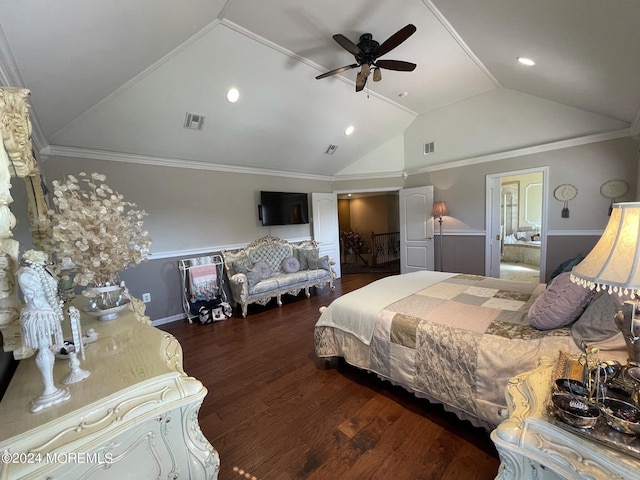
(457, 341)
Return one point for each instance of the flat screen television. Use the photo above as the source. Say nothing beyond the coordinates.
(283, 208)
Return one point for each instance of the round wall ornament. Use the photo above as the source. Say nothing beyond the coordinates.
(614, 189)
(565, 192)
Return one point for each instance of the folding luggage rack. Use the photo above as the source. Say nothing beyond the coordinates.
(202, 279)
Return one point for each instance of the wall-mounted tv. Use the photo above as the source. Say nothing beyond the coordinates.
(283, 208)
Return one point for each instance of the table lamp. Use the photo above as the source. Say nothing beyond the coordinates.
(439, 210)
(612, 265)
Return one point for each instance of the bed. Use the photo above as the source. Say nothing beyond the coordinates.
(454, 339)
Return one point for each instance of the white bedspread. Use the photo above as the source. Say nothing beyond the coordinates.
(353, 312)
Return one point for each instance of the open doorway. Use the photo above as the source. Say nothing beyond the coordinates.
(521, 220)
(369, 227)
(515, 210)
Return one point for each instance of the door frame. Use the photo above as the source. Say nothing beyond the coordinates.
(494, 210)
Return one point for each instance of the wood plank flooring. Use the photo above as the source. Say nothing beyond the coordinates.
(276, 412)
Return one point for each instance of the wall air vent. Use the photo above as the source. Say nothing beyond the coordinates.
(429, 148)
(331, 150)
(194, 121)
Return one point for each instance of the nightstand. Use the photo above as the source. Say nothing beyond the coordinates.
(532, 447)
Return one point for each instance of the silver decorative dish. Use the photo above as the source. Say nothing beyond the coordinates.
(571, 386)
(621, 416)
(108, 313)
(574, 410)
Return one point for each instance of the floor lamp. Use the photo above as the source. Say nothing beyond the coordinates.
(440, 209)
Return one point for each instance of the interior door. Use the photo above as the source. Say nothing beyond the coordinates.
(494, 231)
(416, 229)
(324, 208)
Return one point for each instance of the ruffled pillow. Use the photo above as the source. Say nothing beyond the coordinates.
(290, 265)
(560, 304)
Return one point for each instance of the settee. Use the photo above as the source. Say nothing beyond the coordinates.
(270, 267)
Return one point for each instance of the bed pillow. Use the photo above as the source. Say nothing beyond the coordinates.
(560, 304)
(565, 266)
(290, 265)
(596, 323)
(263, 268)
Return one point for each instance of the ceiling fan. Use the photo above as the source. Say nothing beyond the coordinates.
(367, 52)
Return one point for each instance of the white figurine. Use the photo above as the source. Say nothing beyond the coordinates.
(77, 374)
(40, 320)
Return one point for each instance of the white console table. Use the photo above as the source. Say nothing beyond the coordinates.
(532, 447)
(134, 417)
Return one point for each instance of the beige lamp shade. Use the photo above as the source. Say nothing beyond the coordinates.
(612, 265)
(439, 209)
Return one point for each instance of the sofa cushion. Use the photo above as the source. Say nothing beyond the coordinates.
(262, 268)
(319, 263)
(290, 265)
(560, 304)
(286, 280)
(304, 255)
(267, 285)
(241, 265)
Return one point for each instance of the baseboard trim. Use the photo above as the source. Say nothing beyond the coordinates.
(171, 319)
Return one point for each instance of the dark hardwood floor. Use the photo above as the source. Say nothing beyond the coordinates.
(276, 412)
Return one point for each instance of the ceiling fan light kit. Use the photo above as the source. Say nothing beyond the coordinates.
(367, 52)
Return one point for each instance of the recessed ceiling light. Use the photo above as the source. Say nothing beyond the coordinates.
(526, 61)
(349, 130)
(233, 95)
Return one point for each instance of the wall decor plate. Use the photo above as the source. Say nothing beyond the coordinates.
(565, 192)
(614, 188)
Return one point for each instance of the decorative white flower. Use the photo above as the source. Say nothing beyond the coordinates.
(35, 257)
(101, 236)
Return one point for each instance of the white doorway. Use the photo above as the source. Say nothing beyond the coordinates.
(516, 224)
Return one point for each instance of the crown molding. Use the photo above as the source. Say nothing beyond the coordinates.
(72, 152)
(545, 147)
(367, 176)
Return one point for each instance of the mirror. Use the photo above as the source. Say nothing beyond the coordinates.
(16, 160)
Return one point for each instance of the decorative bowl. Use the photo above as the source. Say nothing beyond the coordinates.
(574, 410)
(574, 387)
(108, 313)
(621, 416)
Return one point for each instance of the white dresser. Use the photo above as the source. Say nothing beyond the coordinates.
(532, 447)
(134, 417)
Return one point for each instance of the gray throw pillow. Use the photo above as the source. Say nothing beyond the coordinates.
(596, 323)
(305, 255)
(290, 265)
(320, 263)
(253, 277)
(263, 268)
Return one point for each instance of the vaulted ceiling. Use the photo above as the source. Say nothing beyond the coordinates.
(115, 79)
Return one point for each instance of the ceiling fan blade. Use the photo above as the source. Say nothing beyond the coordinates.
(394, 40)
(396, 65)
(347, 44)
(361, 81)
(337, 70)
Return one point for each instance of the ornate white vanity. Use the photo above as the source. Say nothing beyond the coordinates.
(532, 447)
(135, 415)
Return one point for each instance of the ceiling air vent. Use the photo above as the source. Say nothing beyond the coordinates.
(331, 150)
(194, 121)
(429, 148)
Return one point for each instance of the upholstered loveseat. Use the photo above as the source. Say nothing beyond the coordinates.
(270, 267)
